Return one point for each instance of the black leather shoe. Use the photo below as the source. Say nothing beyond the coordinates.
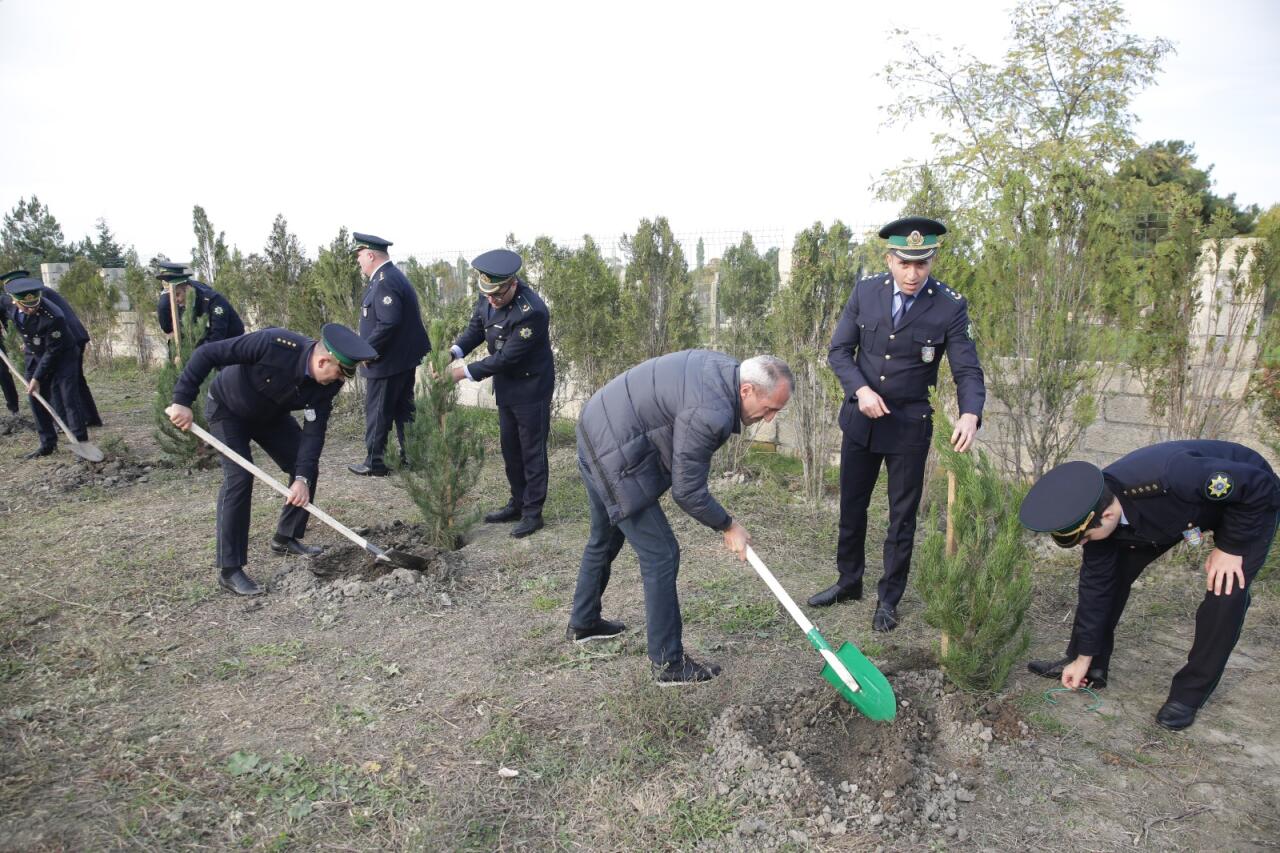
(42, 450)
(885, 618)
(603, 630)
(837, 593)
(1175, 716)
(1095, 678)
(236, 581)
(684, 671)
(364, 469)
(529, 524)
(510, 512)
(289, 545)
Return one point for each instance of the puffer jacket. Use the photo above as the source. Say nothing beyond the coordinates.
(655, 427)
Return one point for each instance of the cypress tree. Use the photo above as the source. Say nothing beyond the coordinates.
(182, 448)
(977, 594)
(443, 450)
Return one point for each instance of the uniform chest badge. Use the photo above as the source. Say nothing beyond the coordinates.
(926, 354)
(217, 309)
(55, 334)
(386, 300)
(526, 333)
(364, 311)
(309, 415)
(1193, 537)
(35, 341)
(1218, 486)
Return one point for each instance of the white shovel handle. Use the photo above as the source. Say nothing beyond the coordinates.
(797, 614)
(276, 484)
(62, 426)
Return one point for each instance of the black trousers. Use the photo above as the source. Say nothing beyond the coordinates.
(88, 406)
(859, 470)
(387, 400)
(523, 431)
(63, 393)
(1219, 620)
(6, 385)
(279, 437)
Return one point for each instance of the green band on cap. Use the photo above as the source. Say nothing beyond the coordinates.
(342, 359)
(915, 241)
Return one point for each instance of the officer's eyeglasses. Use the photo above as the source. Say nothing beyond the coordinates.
(1071, 538)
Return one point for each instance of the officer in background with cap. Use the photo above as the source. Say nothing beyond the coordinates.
(391, 323)
(1128, 514)
(6, 376)
(886, 349)
(513, 321)
(88, 406)
(51, 361)
(222, 320)
(265, 376)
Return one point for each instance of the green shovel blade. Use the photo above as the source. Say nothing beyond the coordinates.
(874, 698)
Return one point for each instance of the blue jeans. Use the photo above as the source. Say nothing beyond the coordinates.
(656, 547)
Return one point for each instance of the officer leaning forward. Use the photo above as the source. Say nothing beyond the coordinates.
(6, 376)
(885, 351)
(52, 359)
(79, 334)
(391, 323)
(513, 321)
(222, 321)
(266, 375)
(1131, 512)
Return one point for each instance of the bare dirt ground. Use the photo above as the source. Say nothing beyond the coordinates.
(143, 708)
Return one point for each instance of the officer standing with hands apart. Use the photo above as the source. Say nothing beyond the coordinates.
(513, 321)
(264, 377)
(391, 323)
(885, 351)
(1128, 514)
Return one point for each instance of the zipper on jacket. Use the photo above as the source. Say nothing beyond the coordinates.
(608, 487)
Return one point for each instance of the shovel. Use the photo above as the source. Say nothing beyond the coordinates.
(386, 555)
(86, 451)
(847, 669)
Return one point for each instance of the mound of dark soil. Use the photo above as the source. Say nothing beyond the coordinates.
(347, 571)
(11, 424)
(72, 474)
(812, 766)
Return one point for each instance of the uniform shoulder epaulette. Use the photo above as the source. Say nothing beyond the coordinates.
(525, 307)
(1145, 490)
(884, 276)
(954, 294)
(286, 342)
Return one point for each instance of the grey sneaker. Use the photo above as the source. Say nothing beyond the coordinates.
(685, 671)
(602, 630)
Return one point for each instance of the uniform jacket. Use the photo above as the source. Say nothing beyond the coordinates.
(1168, 491)
(79, 333)
(519, 360)
(47, 342)
(224, 322)
(392, 323)
(902, 365)
(655, 427)
(264, 375)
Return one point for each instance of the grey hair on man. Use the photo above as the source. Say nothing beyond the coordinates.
(763, 372)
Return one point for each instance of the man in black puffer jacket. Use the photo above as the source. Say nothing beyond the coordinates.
(653, 428)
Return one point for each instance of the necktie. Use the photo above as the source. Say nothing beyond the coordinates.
(904, 304)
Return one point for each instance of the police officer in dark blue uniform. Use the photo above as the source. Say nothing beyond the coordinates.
(1130, 513)
(88, 406)
(222, 321)
(391, 323)
(513, 321)
(265, 376)
(885, 351)
(51, 361)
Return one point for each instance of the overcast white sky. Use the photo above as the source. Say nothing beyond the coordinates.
(444, 126)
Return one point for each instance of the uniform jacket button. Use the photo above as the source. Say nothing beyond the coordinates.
(887, 356)
(891, 337)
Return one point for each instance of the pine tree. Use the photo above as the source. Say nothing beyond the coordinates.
(444, 451)
(978, 594)
(182, 448)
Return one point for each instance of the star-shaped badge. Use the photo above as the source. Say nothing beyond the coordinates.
(217, 309)
(1218, 487)
(386, 300)
(526, 332)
